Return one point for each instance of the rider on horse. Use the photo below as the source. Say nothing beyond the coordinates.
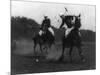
(77, 26)
(46, 22)
(72, 35)
(46, 25)
(68, 21)
(45, 36)
(73, 24)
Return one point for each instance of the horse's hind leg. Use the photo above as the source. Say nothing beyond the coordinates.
(50, 47)
(62, 55)
(34, 48)
(41, 48)
(70, 53)
(47, 48)
(81, 54)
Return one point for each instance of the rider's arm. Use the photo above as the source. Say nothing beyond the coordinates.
(49, 22)
(42, 24)
(62, 23)
(80, 22)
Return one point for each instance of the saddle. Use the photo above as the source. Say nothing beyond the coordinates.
(72, 36)
(48, 30)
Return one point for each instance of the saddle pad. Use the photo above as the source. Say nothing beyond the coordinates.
(41, 32)
(51, 30)
(67, 31)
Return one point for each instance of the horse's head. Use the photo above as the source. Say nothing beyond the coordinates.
(62, 15)
(64, 27)
(77, 21)
(78, 17)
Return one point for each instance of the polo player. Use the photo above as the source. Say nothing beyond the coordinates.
(71, 22)
(67, 22)
(46, 24)
(77, 26)
(72, 35)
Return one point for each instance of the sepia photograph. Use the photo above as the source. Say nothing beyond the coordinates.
(52, 37)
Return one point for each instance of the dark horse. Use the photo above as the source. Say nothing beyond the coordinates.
(73, 39)
(46, 39)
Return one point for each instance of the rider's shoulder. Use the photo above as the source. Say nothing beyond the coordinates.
(48, 18)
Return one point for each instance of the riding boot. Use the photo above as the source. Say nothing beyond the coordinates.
(82, 57)
(70, 53)
(70, 59)
(61, 58)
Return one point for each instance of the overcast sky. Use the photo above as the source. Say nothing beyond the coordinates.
(36, 11)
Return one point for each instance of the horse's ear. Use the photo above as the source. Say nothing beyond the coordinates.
(59, 15)
(60, 27)
(79, 15)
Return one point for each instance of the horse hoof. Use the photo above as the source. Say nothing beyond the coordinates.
(37, 60)
(83, 60)
(60, 59)
(70, 61)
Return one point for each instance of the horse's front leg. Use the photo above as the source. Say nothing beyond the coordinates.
(62, 55)
(81, 54)
(46, 48)
(41, 48)
(49, 47)
(70, 53)
(34, 48)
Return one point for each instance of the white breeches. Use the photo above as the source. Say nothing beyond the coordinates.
(67, 31)
(50, 29)
(41, 32)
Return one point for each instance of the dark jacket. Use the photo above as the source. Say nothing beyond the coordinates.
(67, 20)
(77, 23)
(46, 22)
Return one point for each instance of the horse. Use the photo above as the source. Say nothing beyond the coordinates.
(72, 39)
(44, 38)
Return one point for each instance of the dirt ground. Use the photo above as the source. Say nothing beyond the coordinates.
(23, 59)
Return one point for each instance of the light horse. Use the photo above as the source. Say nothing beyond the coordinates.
(72, 38)
(44, 38)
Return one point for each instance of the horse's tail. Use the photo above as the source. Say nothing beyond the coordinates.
(34, 36)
